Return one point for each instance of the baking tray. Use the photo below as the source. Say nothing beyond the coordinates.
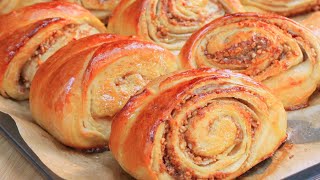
(9, 129)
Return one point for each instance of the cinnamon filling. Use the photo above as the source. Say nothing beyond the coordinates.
(254, 126)
(244, 52)
(174, 18)
(253, 57)
(107, 103)
(162, 31)
(171, 162)
(49, 46)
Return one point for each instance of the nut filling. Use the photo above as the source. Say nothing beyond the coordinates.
(177, 17)
(256, 57)
(171, 162)
(244, 52)
(56, 40)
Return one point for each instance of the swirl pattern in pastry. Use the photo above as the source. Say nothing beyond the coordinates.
(196, 124)
(272, 49)
(80, 88)
(29, 36)
(168, 23)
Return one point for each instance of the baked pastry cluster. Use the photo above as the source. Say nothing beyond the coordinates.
(214, 110)
(80, 88)
(168, 23)
(198, 124)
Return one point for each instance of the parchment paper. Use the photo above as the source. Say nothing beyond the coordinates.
(65, 162)
(301, 150)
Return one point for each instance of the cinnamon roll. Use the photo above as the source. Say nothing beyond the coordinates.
(272, 49)
(78, 90)
(198, 124)
(168, 23)
(29, 36)
(282, 7)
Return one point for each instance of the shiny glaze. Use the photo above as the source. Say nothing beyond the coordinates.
(25, 29)
(30, 32)
(137, 129)
(284, 34)
(27, 15)
(78, 75)
(108, 53)
(135, 9)
(101, 9)
(21, 37)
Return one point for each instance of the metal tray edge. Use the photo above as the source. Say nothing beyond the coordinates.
(9, 129)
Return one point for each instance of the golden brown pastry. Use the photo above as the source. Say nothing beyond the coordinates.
(198, 124)
(7, 6)
(100, 8)
(282, 7)
(168, 23)
(272, 49)
(32, 34)
(79, 89)
(313, 23)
